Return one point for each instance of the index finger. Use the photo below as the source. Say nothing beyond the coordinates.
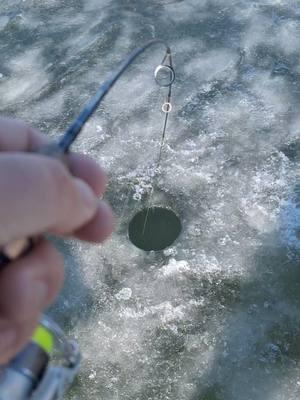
(15, 135)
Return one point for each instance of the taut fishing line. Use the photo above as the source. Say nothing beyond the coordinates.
(156, 227)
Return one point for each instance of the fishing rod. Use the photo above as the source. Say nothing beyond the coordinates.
(49, 363)
(60, 149)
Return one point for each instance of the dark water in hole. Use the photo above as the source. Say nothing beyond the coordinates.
(216, 315)
(154, 228)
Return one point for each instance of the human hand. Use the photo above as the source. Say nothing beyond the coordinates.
(38, 195)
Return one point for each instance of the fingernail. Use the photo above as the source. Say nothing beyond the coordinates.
(87, 197)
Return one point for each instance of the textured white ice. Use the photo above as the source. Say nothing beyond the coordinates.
(216, 316)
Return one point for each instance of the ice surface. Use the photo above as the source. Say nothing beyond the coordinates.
(215, 317)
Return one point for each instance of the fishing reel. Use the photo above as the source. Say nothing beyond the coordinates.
(44, 369)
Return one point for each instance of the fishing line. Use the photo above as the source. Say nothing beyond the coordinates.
(157, 227)
(75, 128)
(166, 109)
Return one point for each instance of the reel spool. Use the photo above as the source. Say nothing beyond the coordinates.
(33, 374)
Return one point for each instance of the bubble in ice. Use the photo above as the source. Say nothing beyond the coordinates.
(171, 251)
(124, 294)
(174, 267)
(93, 375)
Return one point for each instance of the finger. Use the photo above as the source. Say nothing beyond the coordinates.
(26, 288)
(34, 185)
(30, 283)
(16, 135)
(100, 227)
(13, 337)
(88, 170)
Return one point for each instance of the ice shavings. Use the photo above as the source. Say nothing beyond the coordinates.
(174, 268)
(165, 311)
(124, 294)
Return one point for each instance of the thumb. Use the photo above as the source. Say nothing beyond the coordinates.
(39, 195)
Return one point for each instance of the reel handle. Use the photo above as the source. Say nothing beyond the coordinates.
(19, 247)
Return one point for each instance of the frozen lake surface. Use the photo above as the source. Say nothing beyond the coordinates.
(217, 315)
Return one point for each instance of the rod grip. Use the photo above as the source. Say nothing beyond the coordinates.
(19, 247)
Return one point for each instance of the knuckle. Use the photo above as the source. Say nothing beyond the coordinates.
(31, 137)
(59, 175)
